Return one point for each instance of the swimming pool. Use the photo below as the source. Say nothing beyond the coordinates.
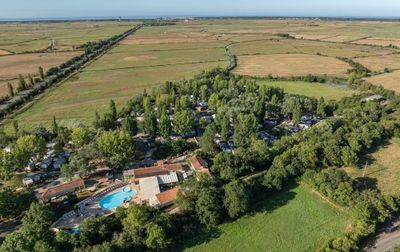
(114, 200)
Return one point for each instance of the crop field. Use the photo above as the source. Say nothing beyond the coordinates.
(273, 46)
(13, 65)
(22, 37)
(154, 55)
(317, 90)
(383, 167)
(286, 65)
(379, 63)
(389, 81)
(378, 42)
(291, 220)
(126, 70)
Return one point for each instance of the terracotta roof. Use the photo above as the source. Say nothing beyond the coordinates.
(160, 169)
(149, 172)
(167, 196)
(173, 167)
(63, 188)
(199, 165)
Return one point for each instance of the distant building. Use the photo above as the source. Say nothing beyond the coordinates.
(61, 190)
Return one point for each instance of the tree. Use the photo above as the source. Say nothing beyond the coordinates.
(15, 128)
(297, 113)
(150, 123)
(80, 136)
(31, 80)
(134, 224)
(42, 246)
(10, 90)
(5, 165)
(37, 221)
(226, 165)
(16, 242)
(209, 206)
(116, 147)
(165, 126)
(156, 238)
(203, 92)
(349, 157)
(55, 126)
(113, 110)
(41, 72)
(321, 107)
(67, 172)
(12, 204)
(244, 129)
(21, 83)
(130, 125)
(206, 142)
(28, 147)
(236, 198)
(184, 122)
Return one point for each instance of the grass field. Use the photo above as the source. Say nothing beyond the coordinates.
(379, 63)
(389, 81)
(384, 168)
(286, 65)
(295, 220)
(20, 37)
(329, 92)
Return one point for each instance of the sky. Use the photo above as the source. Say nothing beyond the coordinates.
(10, 9)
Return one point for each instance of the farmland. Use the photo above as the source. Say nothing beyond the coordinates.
(389, 81)
(379, 63)
(22, 37)
(157, 54)
(280, 223)
(286, 65)
(13, 65)
(317, 90)
(383, 168)
(124, 71)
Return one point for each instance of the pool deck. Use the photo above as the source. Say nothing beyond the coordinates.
(89, 208)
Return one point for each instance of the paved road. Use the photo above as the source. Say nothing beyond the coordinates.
(7, 227)
(387, 240)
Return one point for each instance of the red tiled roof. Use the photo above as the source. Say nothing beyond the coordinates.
(160, 169)
(149, 172)
(167, 196)
(199, 164)
(63, 188)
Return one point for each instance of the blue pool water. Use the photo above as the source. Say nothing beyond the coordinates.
(114, 200)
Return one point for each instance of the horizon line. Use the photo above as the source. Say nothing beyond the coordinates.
(116, 17)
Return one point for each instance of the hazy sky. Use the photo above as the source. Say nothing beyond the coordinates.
(84, 8)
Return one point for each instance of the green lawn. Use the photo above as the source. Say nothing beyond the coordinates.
(309, 89)
(293, 220)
